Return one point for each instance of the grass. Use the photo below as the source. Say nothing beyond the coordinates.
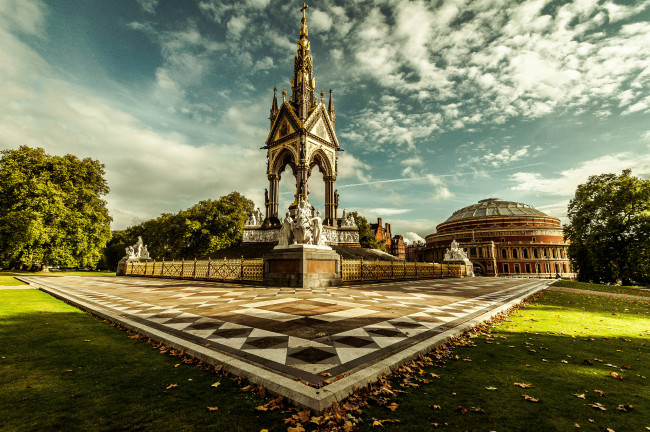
(63, 370)
(12, 273)
(9, 280)
(638, 291)
(563, 345)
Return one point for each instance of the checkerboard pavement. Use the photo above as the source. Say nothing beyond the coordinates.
(305, 334)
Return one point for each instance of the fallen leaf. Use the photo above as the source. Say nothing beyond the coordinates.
(600, 392)
(610, 430)
(599, 406)
(577, 426)
(490, 388)
(434, 375)
(298, 428)
(530, 398)
(587, 362)
(304, 416)
(377, 423)
(436, 407)
(461, 409)
(264, 430)
(625, 407)
(392, 406)
(217, 384)
(564, 361)
(523, 385)
(616, 375)
(177, 365)
(477, 410)
(171, 386)
(214, 408)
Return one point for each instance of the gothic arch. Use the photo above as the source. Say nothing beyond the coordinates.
(320, 159)
(285, 157)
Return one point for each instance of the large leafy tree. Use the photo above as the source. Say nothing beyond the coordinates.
(51, 210)
(204, 228)
(367, 237)
(609, 229)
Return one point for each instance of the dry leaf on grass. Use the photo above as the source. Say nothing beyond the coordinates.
(298, 428)
(171, 386)
(217, 384)
(600, 392)
(461, 409)
(579, 395)
(625, 407)
(616, 375)
(598, 406)
(436, 407)
(214, 408)
(477, 410)
(490, 388)
(530, 398)
(393, 406)
(523, 385)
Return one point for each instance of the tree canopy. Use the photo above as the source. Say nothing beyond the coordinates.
(51, 210)
(367, 237)
(204, 228)
(609, 229)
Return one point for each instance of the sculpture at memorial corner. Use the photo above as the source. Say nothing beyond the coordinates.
(137, 251)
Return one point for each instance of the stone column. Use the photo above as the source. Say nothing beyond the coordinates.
(329, 199)
(273, 195)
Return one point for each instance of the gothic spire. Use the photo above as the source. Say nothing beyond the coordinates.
(303, 82)
(274, 106)
(330, 108)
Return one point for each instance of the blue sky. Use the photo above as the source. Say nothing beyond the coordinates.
(439, 104)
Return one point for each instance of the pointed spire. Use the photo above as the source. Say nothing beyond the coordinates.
(322, 96)
(274, 106)
(330, 108)
(303, 82)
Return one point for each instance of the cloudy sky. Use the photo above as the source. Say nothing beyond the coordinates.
(439, 103)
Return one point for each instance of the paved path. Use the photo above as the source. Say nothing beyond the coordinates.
(292, 340)
(600, 293)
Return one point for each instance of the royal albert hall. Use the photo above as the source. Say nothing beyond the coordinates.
(504, 238)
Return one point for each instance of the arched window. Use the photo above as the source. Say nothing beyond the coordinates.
(515, 254)
(526, 254)
(535, 253)
(504, 253)
(552, 253)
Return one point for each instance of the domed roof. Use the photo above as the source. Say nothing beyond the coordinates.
(494, 207)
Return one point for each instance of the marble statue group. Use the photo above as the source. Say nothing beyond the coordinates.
(138, 250)
(304, 229)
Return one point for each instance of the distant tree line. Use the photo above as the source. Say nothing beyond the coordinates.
(367, 237)
(609, 229)
(200, 230)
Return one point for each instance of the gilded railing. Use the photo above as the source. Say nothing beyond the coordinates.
(219, 270)
(360, 270)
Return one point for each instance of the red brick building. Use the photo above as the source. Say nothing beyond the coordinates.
(504, 238)
(382, 233)
(398, 247)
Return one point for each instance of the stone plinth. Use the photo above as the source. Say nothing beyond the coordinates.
(302, 266)
(121, 264)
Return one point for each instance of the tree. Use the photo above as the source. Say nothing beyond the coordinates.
(367, 237)
(51, 210)
(609, 229)
(204, 228)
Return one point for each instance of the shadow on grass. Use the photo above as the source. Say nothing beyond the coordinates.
(68, 371)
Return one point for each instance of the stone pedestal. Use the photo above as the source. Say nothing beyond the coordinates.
(469, 267)
(302, 266)
(121, 264)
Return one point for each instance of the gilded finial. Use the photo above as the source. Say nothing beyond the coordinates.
(303, 29)
(284, 95)
(322, 96)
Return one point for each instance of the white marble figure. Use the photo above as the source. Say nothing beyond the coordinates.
(317, 229)
(350, 221)
(138, 250)
(260, 218)
(286, 232)
(302, 232)
(456, 253)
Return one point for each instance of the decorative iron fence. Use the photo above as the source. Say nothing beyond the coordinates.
(360, 270)
(219, 270)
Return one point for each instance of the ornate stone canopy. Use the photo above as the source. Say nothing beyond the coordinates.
(302, 136)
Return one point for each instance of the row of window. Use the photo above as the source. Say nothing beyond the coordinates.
(558, 268)
(536, 253)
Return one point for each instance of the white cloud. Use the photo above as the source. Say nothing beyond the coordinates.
(413, 161)
(148, 5)
(567, 181)
(349, 167)
(22, 16)
(505, 156)
(388, 211)
(236, 26)
(411, 238)
(319, 21)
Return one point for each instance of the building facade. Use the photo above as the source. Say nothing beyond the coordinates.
(398, 247)
(504, 238)
(382, 233)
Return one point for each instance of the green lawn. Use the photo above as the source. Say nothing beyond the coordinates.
(61, 369)
(9, 280)
(11, 274)
(565, 346)
(631, 290)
